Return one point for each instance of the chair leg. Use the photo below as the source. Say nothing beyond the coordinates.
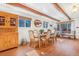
(55, 39)
(30, 44)
(39, 45)
(43, 43)
(52, 40)
(34, 44)
(47, 43)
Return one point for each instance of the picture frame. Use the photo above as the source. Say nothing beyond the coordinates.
(37, 23)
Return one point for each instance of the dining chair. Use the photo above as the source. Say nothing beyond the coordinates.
(48, 35)
(34, 41)
(55, 36)
(43, 38)
(37, 36)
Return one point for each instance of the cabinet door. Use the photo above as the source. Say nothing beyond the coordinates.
(3, 19)
(3, 42)
(15, 39)
(12, 40)
(13, 21)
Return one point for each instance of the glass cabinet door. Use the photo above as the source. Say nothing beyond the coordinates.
(2, 20)
(12, 21)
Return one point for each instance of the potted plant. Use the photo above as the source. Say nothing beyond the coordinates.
(41, 31)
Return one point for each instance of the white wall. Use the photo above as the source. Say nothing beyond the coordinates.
(74, 26)
(23, 31)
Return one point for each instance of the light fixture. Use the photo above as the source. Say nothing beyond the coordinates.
(75, 7)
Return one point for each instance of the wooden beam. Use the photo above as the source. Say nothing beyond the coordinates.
(32, 10)
(61, 10)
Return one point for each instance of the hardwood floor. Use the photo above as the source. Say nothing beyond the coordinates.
(63, 47)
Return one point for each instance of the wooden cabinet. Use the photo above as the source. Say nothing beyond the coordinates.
(8, 31)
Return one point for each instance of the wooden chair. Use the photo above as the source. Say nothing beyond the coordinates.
(34, 41)
(50, 37)
(43, 39)
(55, 36)
(37, 36)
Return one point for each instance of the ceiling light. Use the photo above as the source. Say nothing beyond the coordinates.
(75, 7)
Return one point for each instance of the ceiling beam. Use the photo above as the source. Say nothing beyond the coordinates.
(32, 10)
(56, 5)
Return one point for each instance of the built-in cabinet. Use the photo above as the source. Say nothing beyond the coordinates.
(8, 31)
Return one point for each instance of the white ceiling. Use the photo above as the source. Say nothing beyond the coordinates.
(19, 11)
(15, 10)
(68, 7)
(45, 8)
(48, 9)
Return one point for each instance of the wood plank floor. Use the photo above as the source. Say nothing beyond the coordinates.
(63, 47)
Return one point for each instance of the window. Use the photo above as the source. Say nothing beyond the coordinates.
(65, 27)
(58, 28)
(21, 23)
(45, 24)
(69, 26)
(28, 23)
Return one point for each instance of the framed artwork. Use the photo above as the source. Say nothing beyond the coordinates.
(45, 24)
(2, 20)
(37, 23)
(21, 23)
(28, 23)
(12, 21)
